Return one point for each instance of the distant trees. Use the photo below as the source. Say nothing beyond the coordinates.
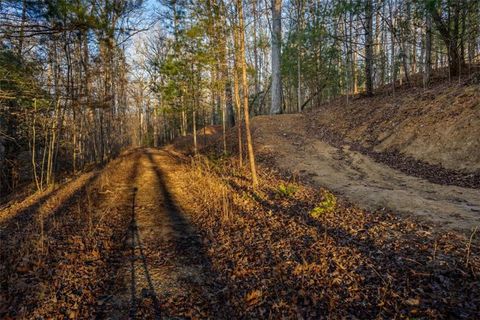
(71, 95)
(326, 49)
(63, 78)
(351, 46)
(194, 80)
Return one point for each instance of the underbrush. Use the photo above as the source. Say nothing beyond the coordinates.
(301, 252)
(54, 252)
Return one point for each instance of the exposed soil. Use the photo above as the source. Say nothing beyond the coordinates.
(438, 126)
(287, 140)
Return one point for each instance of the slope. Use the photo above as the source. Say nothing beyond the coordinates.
(415, 153)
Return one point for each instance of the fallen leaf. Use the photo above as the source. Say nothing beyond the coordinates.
(253, 297)
(413, 301)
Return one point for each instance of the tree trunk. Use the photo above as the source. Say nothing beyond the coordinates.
(251, 155)
(369, 47)
(450, 36)
(428, 50)
(299, 55)
(392, 48)
(236, 96)
(194, 124)
(276, 106)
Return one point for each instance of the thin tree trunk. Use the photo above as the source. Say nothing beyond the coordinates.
(299, 55)
(392, 48)
(251, 155)
(369, 47)
(194, 124)
(34, 134)
(236, 96)
(22, 28)
(428, 50)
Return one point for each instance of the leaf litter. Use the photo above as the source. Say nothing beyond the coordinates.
(267, 256)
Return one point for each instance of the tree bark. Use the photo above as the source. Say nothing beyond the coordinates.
(276, 107)
(450, 36)
(251, 155)
(428, 51)
(236, 96)
(369, 47)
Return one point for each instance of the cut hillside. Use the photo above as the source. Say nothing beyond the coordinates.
(439, 126)
(415, 153)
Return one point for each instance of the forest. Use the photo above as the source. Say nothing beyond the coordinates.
(239, 159)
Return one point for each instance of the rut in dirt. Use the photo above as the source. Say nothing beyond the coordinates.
(160, 268)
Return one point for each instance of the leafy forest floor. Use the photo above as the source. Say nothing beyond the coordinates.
(159, 235)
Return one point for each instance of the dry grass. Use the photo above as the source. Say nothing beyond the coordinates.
(54, 247)
(277, 261)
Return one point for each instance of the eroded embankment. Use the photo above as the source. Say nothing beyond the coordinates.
(286, 141)
(438, 126)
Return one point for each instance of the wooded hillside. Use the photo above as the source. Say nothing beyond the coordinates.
(239, 159)
(82, 79)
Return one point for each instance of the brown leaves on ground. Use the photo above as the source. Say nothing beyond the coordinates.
(54, 250)
(264, 255)
(277, 261)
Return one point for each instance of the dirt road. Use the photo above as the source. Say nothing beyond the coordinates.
(362, 180)
(113, 242)
(162, 262)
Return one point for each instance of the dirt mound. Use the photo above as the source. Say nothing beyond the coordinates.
(438, 126)
(205, 136)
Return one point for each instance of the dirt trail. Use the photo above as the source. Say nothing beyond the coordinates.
(161, 267)
(362, 180)
(111, 244)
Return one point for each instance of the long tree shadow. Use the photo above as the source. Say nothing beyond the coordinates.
(22, 236)
(399, 261)
(70, 239)
(189, 249)
(136, 242)
(25, 216)
(114, 258)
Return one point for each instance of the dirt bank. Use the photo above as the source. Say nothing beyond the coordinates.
(438, 126)
(359, 178)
